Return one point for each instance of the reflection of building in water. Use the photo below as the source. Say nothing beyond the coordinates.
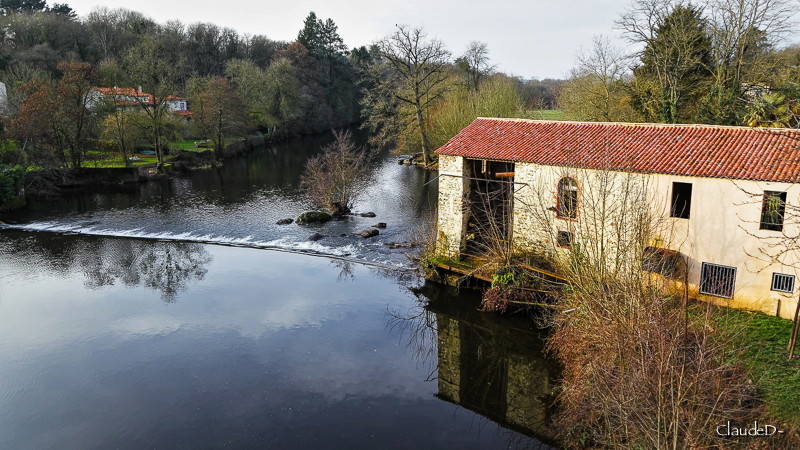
(495, 369)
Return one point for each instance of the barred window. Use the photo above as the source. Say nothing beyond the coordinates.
(717, 280)
(782, 282)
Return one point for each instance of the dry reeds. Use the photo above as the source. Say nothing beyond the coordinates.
(638, 370)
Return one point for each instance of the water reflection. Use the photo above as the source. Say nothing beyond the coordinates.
(490, 365)
(167, 267)
(345, 270)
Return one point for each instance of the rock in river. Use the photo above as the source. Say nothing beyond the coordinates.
(313, 217)
(380, 225)
(284, 221)
(369, 233)
(368, 214)
(316, 237)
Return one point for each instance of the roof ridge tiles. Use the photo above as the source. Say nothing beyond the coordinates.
(643, 124)
(770, 154)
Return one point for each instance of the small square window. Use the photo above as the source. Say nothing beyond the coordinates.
(564, 239)
(782, 282)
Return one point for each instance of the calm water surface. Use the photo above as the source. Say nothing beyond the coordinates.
(119, 330)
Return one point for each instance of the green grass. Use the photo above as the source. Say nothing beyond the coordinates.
(190, 144)
(763, 341)
(103, 159)
(115, 160)
(544, 114)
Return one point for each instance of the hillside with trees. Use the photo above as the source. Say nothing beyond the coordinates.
(718, 62)
(51, 60)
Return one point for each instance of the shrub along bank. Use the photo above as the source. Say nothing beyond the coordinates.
(11, 183)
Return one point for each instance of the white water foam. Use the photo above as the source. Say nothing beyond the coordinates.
(354, 252)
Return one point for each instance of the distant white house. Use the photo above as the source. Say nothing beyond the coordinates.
(134, 98)
(3, 99)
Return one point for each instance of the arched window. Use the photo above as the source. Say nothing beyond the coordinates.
(567, 198)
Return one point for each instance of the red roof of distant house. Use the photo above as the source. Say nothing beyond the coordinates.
(183, 113)
(130, 92)
(768, 154)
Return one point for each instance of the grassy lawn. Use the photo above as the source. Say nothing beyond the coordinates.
(544, 114)
(104, 159)
(191, 144)
(115, 160)
(763, 341)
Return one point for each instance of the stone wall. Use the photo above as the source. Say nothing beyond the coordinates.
(530, 233)
(449, 352)
(451, 217)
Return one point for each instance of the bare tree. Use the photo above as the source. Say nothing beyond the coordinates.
(149, 66)
(419, 68)
(333, 177)
(475, 64)
(596, 89)
(741, 30)
(219, 112)
(639, 370)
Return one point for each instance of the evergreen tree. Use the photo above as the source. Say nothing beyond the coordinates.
(675, 63)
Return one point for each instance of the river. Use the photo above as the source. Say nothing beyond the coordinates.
(177, 314)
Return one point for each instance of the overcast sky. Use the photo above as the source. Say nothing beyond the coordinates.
(528, 38)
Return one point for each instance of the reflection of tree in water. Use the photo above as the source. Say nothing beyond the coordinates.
(346, 270)
(167, 267)
(417, 327)
(490, 365)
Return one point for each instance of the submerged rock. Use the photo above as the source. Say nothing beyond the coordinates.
(315, 237)
(284, 221)
(380, 225)
(314, 217)
(368, 214)
(399, 245)
(369, 233)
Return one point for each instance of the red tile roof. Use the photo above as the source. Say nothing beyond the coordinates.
(768, 154)
(130, 92)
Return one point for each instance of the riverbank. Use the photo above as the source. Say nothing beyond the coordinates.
(632, 354)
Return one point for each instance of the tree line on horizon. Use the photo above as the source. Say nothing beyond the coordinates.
(717, 64)
(236, 84)
(713, 62)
